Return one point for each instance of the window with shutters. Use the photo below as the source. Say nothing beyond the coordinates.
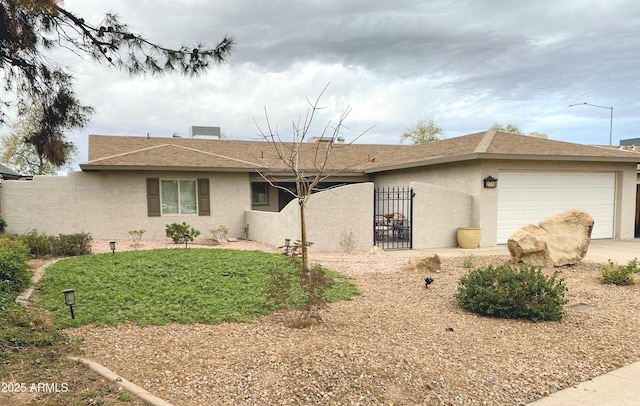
(169, 196)
(178, 197)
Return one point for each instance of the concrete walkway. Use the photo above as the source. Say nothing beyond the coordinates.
(619, 251)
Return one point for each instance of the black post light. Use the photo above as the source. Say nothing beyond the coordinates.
(287, 244)
(70, 300)
(112, 245)
(490, 182)
(186, 240)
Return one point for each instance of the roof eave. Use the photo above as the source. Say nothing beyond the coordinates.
(424, 162)
(526, 157)
(90, 167)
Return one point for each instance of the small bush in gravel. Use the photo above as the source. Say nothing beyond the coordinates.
(177, 232)
(468, 261)
(349, 241)
(136, 235)
(514, 292)
(615, 274)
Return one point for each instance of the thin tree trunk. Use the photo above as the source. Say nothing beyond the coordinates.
(303, 240)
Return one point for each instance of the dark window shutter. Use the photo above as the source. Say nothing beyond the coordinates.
(153, 197)
(203, 197)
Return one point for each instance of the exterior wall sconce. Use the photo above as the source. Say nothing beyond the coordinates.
(70, 300)
(186, 240)
(112, 245)
(490, 182)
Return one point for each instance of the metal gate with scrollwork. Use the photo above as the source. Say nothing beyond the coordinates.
(393, 218)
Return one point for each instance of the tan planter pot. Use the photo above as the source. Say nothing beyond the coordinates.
(468, 237)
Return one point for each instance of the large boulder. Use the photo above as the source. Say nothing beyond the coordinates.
(559, 240)
(424, 263)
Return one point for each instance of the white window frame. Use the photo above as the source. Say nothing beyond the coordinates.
(180, 208)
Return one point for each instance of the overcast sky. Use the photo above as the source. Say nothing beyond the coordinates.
(465, 63)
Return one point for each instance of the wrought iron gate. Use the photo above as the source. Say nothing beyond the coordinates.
(393, 218)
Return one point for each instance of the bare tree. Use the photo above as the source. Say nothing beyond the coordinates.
(305, 160)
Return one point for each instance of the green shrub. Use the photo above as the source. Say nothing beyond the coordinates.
(177, 232)
(615, 274)
(468, 261)
(40, 244)
(512, 292)
(137, 236)
(14, 242)
(71, 245)
(349, 241)
(3, 225)
(64, 245)
(220, 234)
(14, 274)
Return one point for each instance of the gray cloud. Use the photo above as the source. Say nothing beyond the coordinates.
(465, 63)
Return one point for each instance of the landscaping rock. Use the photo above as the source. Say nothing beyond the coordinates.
(424, 263)
(375, 250)
(559, 240)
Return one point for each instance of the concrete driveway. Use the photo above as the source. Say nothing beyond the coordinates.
(619, 251)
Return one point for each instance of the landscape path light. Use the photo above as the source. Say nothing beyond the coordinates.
(186, 240)
(112, 245)
(70, 300)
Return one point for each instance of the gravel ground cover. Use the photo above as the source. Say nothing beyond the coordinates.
(396, 343)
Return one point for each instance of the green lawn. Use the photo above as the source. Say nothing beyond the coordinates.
(171, 285)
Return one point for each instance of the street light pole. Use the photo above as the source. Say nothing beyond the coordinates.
(602, 107)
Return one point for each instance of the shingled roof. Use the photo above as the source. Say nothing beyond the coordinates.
(9, 173)
(155, 153)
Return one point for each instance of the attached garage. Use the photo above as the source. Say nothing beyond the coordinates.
(528, 197)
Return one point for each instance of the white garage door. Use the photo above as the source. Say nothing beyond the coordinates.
(528, 197)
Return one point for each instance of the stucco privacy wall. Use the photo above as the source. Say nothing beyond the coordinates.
(109, 204)
(458, 190)
(328, 214)
(437, 214)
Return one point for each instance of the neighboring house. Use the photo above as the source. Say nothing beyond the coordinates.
(633, 144)
(6, 174)
(145, 183)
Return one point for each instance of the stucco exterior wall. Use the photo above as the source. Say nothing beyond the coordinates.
(437, 214)
(329, 214)
(467, 177)
(450, 197)
(109, 204)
